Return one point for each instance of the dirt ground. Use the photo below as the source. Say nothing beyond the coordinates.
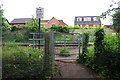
(72, 70)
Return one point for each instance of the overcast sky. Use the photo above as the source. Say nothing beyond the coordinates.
(60, 9)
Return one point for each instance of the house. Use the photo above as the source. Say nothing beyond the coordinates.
(22, 21)
(19, 21)
(55, 22)
(87, 21)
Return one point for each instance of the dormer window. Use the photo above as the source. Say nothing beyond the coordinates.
(79, 19)
(95, 19)
(87, 19)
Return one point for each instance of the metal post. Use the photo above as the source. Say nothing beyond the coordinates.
(34, 41)
(64, 42)
(82, 46)
(79, 45)
(82, 39)
(39, 34)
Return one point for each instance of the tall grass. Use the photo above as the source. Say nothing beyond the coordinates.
(21, 62)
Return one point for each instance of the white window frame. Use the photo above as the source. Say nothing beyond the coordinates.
(87, 18)
(79, 19)
(95, 19)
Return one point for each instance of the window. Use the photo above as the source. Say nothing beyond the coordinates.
(79, 19)
(95, 19)
(87, 18)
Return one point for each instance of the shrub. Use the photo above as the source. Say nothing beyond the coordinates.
(63, 29)
(21, 62)
(4, 28)
(64, 52)
(112, 55)
(76, 27)
(104, 56)
(98, 45)
(84, 47)
(19, 37)
(14, 28)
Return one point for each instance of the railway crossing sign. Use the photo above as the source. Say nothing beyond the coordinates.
(39, 12)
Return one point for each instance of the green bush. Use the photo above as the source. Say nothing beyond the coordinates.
(19, 37)
(64, 52)
(16, 36)
(76, 27)
(84, 48)
(63, 29)
(99, 46)
(14, 28)
(106, 61)
(21, 62)
(104, 56)
(4, 28)
(112, 56)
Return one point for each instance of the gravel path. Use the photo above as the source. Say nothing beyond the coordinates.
(73, 70)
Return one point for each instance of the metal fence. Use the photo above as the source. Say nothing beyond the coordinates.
(67, 41)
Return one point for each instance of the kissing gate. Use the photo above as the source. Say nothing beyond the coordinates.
(58, 41)
(51, 44)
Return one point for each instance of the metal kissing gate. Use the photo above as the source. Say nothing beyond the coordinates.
(60, 40)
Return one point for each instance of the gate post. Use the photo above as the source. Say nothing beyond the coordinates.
(49, 55)
(78, 37)
(64, 43)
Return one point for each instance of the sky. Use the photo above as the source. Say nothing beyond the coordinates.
(65, 10)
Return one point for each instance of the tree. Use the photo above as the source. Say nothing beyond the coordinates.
(116, 21)
(3, 21)
(1, 15)
(32, 26)
(63, 29)
(115, 13)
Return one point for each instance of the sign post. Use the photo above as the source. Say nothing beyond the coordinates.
(119, 4)
(39, 15)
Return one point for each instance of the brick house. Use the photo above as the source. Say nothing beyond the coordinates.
(47, 23)
(22, 21)
(55, 22)
(87, 21)
(19, 21)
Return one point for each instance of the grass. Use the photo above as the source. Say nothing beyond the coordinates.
(15, 36)
(21, 62)
(64, 52)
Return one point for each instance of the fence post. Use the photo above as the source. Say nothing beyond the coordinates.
(79, 45)
(34, 41)
(64, 43)
(49, 55)
(52, 52)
